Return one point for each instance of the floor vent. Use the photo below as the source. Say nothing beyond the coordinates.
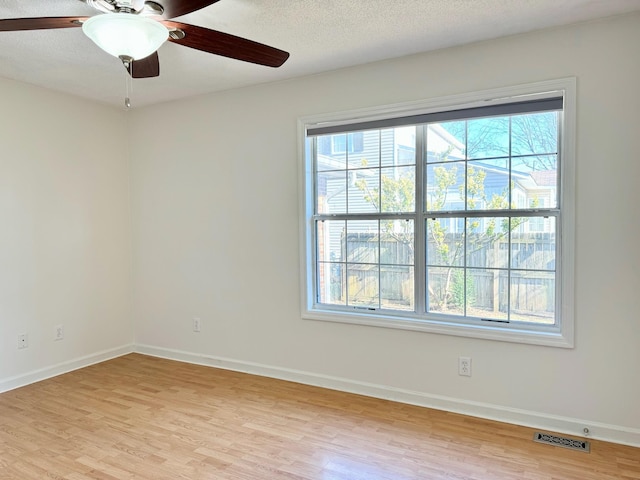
(573, 444)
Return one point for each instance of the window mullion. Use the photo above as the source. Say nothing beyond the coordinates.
(419, 226)
(465, 268)
(379, 263)
(510, 200)
(313, 223)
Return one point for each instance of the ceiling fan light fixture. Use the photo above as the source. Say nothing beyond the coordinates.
(126, 34)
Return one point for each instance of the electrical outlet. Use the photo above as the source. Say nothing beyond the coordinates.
(59, 333)
(23, 341)
(196, 324)
(464, 366)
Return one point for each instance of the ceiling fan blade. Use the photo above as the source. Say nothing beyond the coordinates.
(226, 45)
(146, 67)
(177, 8)
(39, 23)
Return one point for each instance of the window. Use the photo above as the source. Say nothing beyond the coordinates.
(451, 220)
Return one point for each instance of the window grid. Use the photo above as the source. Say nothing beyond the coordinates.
(422, 147)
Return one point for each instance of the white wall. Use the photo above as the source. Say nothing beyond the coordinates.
(215, 235)
(65, 236)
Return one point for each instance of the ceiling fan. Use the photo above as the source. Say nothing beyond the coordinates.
(133, 30)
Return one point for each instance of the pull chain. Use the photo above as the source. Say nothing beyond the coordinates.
(129, 87)
(128, 81)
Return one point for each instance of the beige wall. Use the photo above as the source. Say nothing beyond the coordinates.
(64, 231)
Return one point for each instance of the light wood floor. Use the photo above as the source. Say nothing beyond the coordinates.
(139, 417)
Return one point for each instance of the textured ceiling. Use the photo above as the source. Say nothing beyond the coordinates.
(320, 36)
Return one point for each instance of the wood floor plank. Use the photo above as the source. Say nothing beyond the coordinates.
(144, 418)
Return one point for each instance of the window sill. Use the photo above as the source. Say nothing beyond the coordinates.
(525, 334)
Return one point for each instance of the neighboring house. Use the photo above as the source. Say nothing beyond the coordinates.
(346, 160)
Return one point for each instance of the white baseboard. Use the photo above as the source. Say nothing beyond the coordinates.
(542, 421)
(18, 381)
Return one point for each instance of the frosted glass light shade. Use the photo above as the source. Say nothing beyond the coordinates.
(126, 34)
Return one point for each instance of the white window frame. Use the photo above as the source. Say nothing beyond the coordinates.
(559, 335)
